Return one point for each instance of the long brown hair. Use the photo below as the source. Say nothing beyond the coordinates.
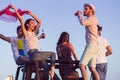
(64, 37)
(27, 22)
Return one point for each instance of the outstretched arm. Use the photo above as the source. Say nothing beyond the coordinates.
(5, 38)
(37, 20)
(21, 20)
(73, 51)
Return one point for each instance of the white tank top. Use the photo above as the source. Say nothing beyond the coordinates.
(31, 41)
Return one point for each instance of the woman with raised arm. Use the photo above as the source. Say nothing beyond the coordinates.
(30, 30)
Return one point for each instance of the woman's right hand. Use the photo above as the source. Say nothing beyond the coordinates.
(12, 6)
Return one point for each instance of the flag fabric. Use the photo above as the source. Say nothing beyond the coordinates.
(8, 16)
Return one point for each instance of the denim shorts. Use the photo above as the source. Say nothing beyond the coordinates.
(21, 60)
(36, 55)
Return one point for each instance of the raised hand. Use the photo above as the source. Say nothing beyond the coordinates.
(11, 6)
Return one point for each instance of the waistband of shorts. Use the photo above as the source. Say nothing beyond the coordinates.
(92, 41)
(32, 50)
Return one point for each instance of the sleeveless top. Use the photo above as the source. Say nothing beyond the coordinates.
(31, 41)
(64, 54)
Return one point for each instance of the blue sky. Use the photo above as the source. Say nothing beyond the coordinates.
(58, 16)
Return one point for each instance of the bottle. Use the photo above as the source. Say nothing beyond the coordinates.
(43, 34)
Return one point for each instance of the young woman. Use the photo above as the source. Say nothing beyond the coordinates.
(30, 30)
(65, 51)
